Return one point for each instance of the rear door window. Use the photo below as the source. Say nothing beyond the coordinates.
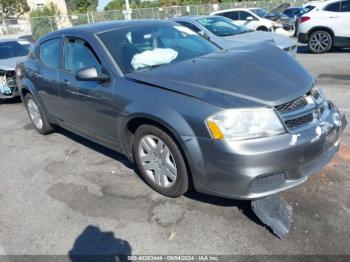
(49, 53)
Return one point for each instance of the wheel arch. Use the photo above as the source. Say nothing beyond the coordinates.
(137, 120)
(324, 28)
(262, 28)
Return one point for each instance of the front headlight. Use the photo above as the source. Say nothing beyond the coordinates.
(240, 124)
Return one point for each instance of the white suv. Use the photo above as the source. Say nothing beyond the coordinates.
(249, 17)
(326, 26)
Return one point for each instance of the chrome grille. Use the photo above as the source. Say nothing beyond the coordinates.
(304, 111)
(292, 105)
(300, 121)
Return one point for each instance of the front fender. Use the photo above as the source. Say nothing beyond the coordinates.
(160, 113)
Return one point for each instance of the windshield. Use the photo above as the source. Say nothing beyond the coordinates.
(144, 47)
(14, 49)
(222, 26)
(259, 12)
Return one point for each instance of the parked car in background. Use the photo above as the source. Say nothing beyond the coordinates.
(326, 26)
(12, 51)
(257, 18)
(295, 13)
(226, 34)
(249, 17)
(242, 123)
(277, 15)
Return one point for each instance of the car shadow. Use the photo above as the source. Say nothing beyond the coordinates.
(9, 101)
(243, 205)
(97, 147)
(93, 245)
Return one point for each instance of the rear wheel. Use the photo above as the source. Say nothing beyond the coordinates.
(320, 42)
(160, 161)
(37, 116)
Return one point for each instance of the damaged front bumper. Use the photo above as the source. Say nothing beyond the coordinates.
(257, 168)
(8, 85)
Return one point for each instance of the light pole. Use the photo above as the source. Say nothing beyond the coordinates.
(127, 12)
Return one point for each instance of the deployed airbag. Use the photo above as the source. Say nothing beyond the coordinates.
(4, 89)
(155, 57)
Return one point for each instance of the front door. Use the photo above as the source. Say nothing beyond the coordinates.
(88, 104)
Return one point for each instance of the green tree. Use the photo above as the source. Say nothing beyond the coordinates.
(115, 5)
(42, 21)
(81, 6)
(12, 8)
(78, 9)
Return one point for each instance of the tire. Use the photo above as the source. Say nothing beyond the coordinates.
(156, 161)
(37, 115)
(320, 42)
(262, 28)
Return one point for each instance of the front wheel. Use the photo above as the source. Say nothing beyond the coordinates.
(320, 42)
(37, 116)
(262, 28)
(160, 161)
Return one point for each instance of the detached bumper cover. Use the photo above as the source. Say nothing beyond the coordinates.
(256, 168)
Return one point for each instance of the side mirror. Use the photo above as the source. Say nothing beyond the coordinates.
(204, 35)
(91, 74)
(250, 18)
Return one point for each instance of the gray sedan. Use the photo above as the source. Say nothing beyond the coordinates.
(223, 32)
(240, 123)
(12, 51)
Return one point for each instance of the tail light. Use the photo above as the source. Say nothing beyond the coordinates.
(304, 19)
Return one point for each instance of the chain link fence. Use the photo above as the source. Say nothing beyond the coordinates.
(39, 26)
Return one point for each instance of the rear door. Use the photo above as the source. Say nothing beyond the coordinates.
(88, 104)
(344, 20)
(331, 17)
(44, 73)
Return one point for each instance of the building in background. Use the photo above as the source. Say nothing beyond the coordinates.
(61, 5)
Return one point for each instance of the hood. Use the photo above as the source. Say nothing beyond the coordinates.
(10, 64)
(253, 75)
(257, 36)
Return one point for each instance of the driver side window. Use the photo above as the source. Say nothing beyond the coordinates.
(78, 55)
(243, 15)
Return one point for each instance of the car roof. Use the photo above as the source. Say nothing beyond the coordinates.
(233, 9)
(295, 7)
(100, 27)
(3, 40)
(190, 17)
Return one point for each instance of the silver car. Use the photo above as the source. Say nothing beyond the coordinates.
(226, 34)
(12, 51)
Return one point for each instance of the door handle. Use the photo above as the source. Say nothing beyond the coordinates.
(66, 82)
(334, 16)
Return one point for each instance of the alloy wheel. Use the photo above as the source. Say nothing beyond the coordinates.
(320, 42)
